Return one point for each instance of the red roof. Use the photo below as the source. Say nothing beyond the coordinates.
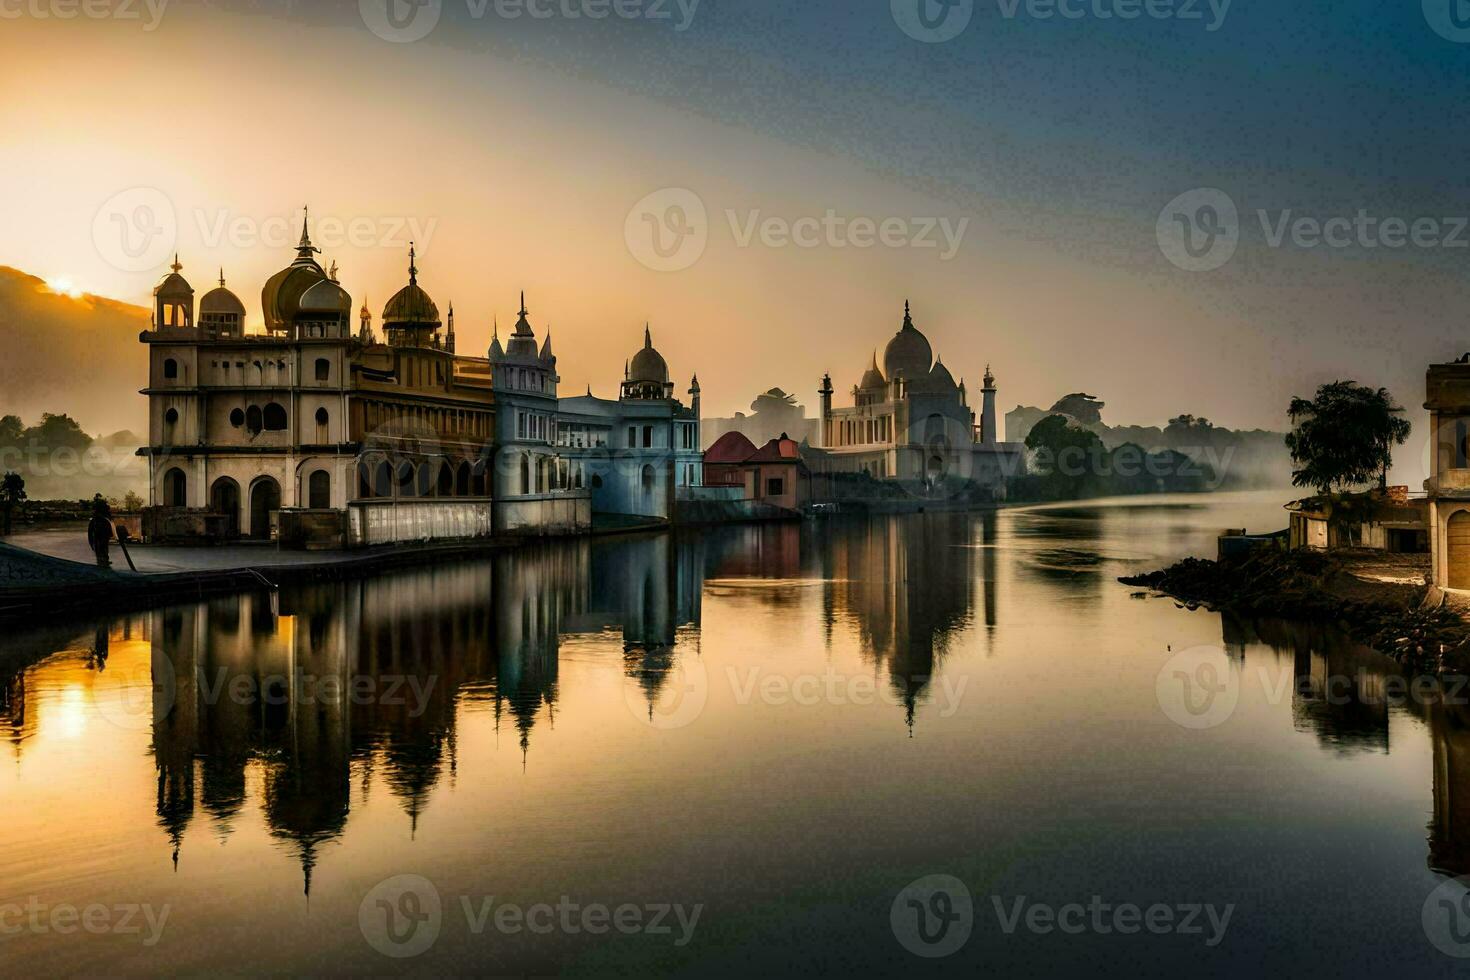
(777, 451)
(732, 447)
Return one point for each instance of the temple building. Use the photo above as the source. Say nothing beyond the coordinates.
(911, 422)
(640, 453)
(309, 433)
(1447, 398)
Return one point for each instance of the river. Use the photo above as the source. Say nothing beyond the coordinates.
(743, 750)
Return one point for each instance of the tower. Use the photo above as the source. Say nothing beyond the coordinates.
(449, 337)
(826, 392)
(365, 331)
(987, 410)
(173, 301)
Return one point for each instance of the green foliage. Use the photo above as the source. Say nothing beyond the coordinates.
(12, 490)
(12, 431)
(132, 502)
(56, 431)
(1344, 437)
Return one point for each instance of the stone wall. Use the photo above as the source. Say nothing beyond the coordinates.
(544, 515)
(379, 522)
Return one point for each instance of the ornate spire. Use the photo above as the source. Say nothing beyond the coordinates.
(908, 319)
(177, 265)
(523, 303)
(413, 268)
(304, 249)
(221, 274)
(989, 378)
(332, 272)
(647, 336)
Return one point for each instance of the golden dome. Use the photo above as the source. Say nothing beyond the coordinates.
(280, 298)
(411, 304)
(872, 377)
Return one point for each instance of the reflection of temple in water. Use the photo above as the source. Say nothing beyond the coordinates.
(1449, 829)
(326, 686)
(907, 584)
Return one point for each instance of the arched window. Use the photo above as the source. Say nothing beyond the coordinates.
(648, 479)
(596, 482)
(383, 480)
(323, 369)
(322, 416)
(171, 369)
(274, 417)
(237, 418)
(525, 474)
(171, 416)
(405, 479)
(253, 420)
(462, 480)
(445, 481)
(175, 488)
(319, 490)
(425, 479)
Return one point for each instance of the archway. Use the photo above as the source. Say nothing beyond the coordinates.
(265, 496)
(319, 491)
(648, 479)
(1457, 550)
(224, 498)
(175, 488)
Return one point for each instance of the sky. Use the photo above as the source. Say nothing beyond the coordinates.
(1032, 174)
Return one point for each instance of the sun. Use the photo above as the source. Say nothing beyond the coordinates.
(64, 286)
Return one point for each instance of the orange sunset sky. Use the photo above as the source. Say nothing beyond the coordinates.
(519, 167)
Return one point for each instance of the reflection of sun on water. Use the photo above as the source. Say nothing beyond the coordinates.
(71, 712)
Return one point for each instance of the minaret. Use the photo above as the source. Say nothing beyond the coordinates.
(449, 339)
(694, 397)
(826, 392)
(987, 410)
(365, 318)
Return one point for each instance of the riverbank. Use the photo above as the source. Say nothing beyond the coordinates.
(1380, 599)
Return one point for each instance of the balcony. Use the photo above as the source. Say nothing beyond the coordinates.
(1453, 482)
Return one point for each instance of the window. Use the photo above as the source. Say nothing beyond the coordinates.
(775, 487)
(175, 488)
(632, 436)
(321, 416)
(319, 490)
(171, 416)
(253, 420)
(170, 368)
(274, 417)
(237, 418)
(323, 369)
(647, 436)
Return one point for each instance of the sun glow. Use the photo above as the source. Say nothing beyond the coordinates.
(64, 286)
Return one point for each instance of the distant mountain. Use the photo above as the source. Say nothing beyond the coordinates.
(77, 356)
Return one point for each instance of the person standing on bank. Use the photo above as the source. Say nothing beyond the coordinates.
(99, 531)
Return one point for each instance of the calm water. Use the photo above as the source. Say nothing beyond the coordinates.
(781, 726)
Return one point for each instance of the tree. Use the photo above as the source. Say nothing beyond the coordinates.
(12, 492)
(1068, 457)
(1344, 436)
(12, 431)
(58, 431)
